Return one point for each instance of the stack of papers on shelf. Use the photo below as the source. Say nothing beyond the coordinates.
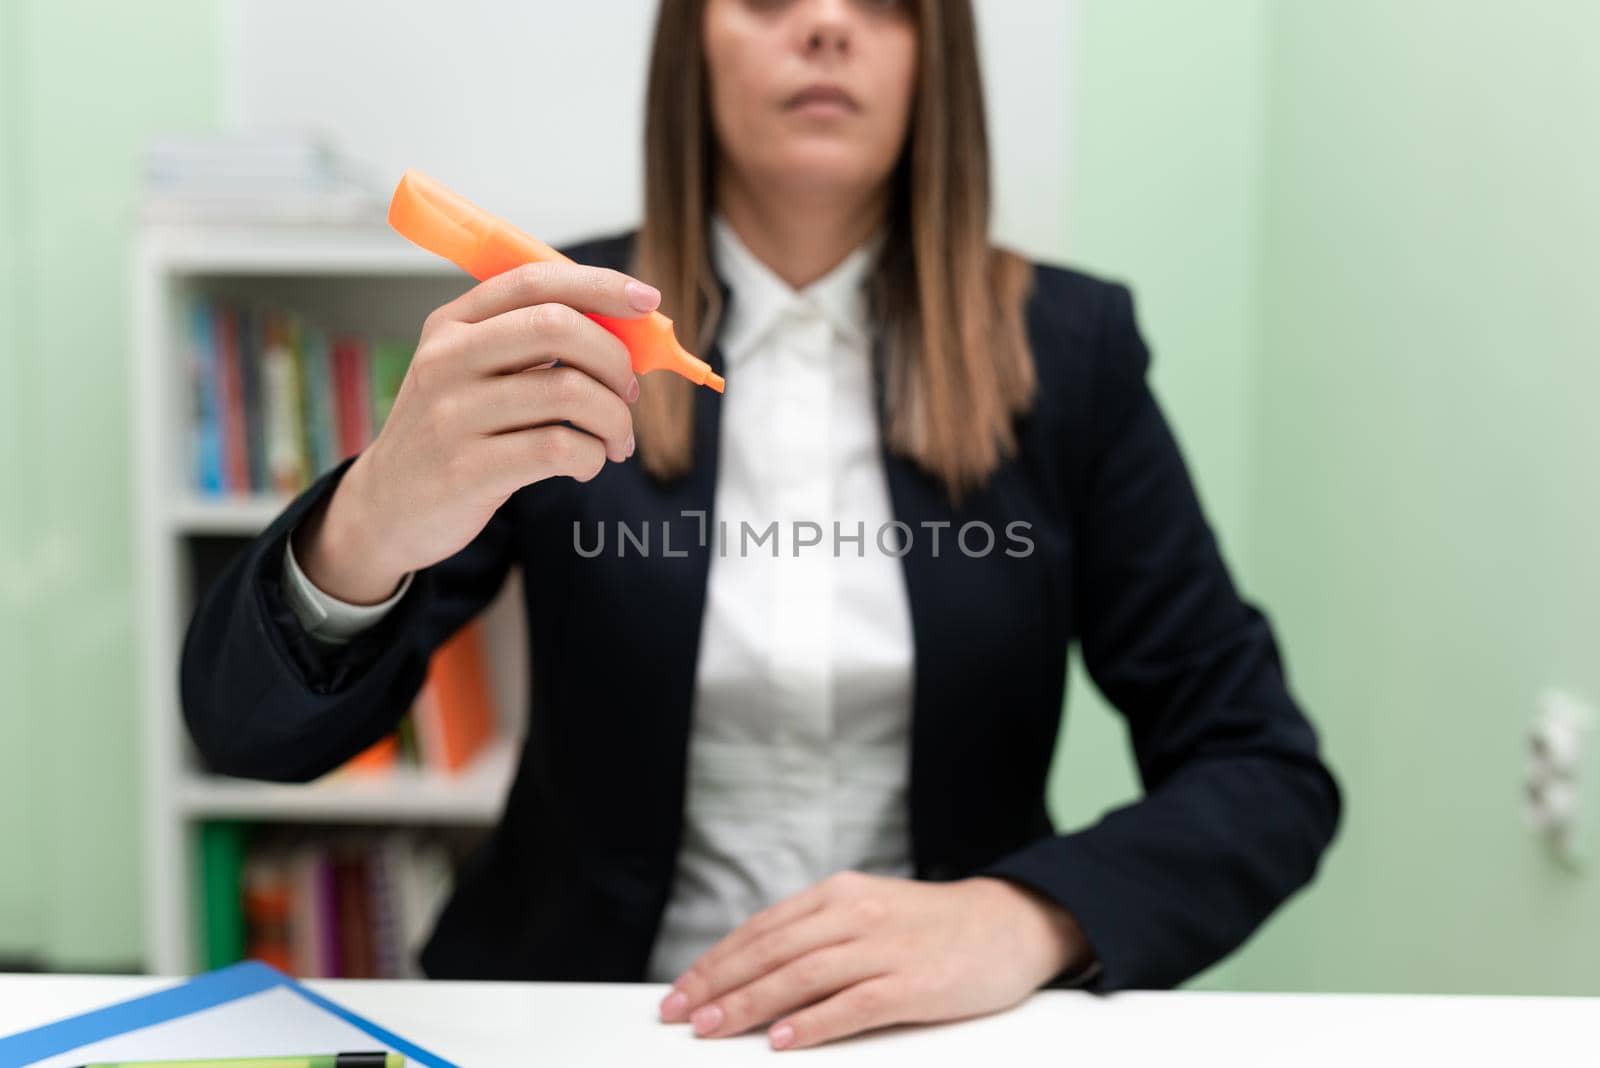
(253, 176)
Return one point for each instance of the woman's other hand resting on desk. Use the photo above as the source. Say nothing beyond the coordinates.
(480, 415)
(857, 952)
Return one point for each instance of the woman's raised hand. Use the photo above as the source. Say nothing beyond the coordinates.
(498, 375)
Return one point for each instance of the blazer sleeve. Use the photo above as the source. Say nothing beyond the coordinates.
(1238, 807)
(265, 700)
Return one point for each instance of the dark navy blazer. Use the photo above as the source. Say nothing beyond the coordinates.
(1237, 806)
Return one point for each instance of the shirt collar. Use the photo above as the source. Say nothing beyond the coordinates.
(760, 299)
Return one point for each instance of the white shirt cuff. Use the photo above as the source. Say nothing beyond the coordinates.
(324, 616)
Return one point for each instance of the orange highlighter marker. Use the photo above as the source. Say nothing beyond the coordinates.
(447, 224)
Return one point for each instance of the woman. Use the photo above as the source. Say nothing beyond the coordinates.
(790, 729)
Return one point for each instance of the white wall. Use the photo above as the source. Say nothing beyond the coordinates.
(534, 108)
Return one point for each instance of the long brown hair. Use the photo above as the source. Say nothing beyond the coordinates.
(957, 365)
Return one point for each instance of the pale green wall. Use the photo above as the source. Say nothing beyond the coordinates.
(1408, 263)
(1428, 516)
(1168, 144)
(19, 882)
(1366, 240)
(81, 85)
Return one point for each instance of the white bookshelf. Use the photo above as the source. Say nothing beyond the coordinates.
(191, 514)
(414, 796)
(359, 278)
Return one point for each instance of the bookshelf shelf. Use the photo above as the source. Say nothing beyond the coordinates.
(240, 516)
(352, 279)
(290, 250)
(470, 798)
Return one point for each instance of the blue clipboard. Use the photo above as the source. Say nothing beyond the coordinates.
(200, 993)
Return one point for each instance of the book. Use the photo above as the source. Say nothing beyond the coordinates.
(206, 426)
(230, 387)
(249, 328)
(390, 360)
(353, 395)
(313, 914)
(386, 859)
(221, 855)
(317, 408)
(376, 759)
(267, 903)
(454, 714)
(406, 742)
(278, 399)
(281, 402)
(355, 934)
(324, 904)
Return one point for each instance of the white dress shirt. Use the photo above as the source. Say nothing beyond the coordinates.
(799, 752)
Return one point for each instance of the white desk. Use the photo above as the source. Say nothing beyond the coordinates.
(572, 1025)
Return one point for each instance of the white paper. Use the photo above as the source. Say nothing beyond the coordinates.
(276, 1022)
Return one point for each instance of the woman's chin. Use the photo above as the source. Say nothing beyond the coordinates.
(826, 169)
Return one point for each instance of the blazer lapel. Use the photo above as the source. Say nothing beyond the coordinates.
(692, 523)
(919, 500)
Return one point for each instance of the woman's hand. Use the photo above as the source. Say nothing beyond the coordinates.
(479, 415)
(860, 951)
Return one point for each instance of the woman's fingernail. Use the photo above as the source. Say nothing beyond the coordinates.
(633, 389)
(672, 1006)
(706, 1019)
(644, 298)
(630, 444)
(782, 1036)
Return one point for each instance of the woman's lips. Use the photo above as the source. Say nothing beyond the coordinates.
(821, 98)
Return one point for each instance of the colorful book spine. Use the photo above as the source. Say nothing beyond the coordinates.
(353, 395)
(282, 408)
(455, 714)
(355, 920)
(268, 900)
(318, 399)
(230, 389)
(385, 859)
(295, 342)
(207, 425)
(255, 436)
(313, 922)
(277, 400)
(389, 363)
(338, 904)
(222, 853)
(378, 758)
